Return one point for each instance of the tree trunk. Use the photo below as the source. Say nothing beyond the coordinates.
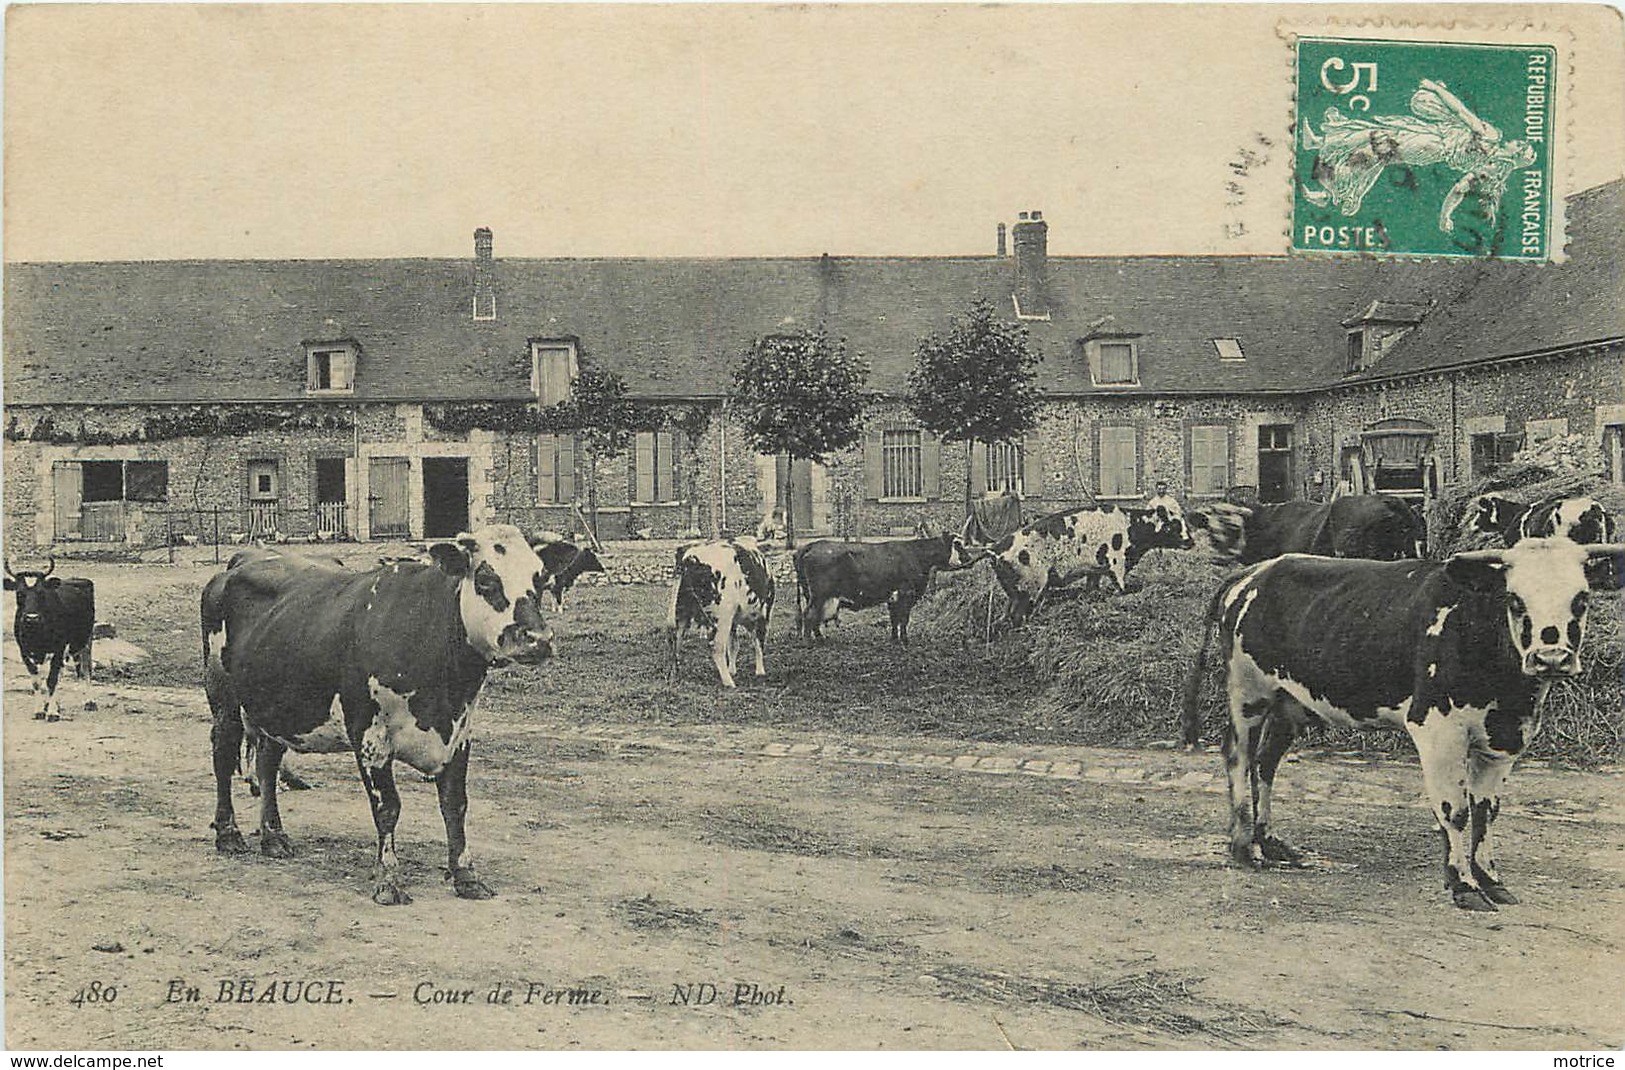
(970, 445)
(592, 492)
(789, 491)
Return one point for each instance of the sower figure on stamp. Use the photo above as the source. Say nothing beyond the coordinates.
(1441, 129)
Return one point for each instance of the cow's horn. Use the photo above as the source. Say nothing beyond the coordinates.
(1491, 556)
(10, 573)
(1598, 549)
(50, 567)
(964, 529)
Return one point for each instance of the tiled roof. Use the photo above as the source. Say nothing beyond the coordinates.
(1511, 309)
(233, 330)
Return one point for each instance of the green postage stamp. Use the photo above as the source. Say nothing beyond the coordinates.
(1421, 148)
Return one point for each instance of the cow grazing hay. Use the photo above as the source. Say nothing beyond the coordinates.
(1527, 483)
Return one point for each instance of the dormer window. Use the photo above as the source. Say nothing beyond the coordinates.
(552, 370)
(330, 367)
(1113, 361)
(1356, 352)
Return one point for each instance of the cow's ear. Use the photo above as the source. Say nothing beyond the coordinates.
(1477, 570)
(1605, 571)
(451, 558)
(11, 584)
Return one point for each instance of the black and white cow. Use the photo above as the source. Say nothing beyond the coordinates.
(1583, 520)
(56, 617)
(721, 585)
(833, 574)
(1091, 540)
(385, 664)
(1459, 653)
(1378, 527)
(566, 562)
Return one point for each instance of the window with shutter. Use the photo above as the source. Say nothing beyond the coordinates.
(330, 369)
(556, 468)
(1210, 459)
(553, 371)
(657, 468)
(1119, 462)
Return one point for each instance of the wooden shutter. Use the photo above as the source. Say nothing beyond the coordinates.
(341, 370)
(1032, 465)
(978, 468)
(547, 468)
(930, 466)
(874, 471)
(665, 467)
(1118, 461)
(643, 467)
(567, 468)
(67, 484)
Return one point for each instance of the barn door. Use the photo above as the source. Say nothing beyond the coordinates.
(68, 483)
(388, 497)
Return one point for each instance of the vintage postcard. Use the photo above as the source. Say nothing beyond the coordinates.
(689, 527)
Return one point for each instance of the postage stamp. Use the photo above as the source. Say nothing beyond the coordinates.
(1424, 148)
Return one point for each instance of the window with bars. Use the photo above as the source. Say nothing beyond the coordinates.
(657, 467)
(902, 470)
(1119, 462)
(1006, 467)
(1210, 459)
(555, 469)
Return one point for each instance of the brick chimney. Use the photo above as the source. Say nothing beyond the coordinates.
(1031, 235)
(485, 290)
(1002, 252)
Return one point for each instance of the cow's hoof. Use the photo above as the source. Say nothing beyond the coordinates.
(230, 842)
(39, 716)
(1472, 899)
(52, 718)
(468, 886)
(1497, 892)
(294, 782)
(1278, 852)
(90, 704)
(276, 845)
(1247, 854)
(390, 894)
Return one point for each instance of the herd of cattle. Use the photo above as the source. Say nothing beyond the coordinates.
(305, 654)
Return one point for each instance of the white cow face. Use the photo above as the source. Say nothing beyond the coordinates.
(499, 593)
(1545, 596)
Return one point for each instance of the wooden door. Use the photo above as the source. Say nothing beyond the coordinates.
(68, 483)
(387, 495)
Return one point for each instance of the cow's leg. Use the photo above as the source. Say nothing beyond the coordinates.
(386, 811)
(82, 662)
(1487, 775)
(51, 705)
(452, 783)
(1279, 732)
(895, 612)
(1239, 745)
(33, 680)
(267, 761)
(721, 655)
(1441, 746)
(758, 638)
(226, 741)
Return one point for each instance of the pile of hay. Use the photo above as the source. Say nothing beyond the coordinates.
(1523, 481)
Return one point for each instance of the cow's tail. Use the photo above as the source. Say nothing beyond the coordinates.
(1190, 715)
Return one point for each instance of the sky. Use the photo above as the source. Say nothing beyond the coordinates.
(169, 131)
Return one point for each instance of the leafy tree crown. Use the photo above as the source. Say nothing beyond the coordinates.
(801, 394)
(977, 380)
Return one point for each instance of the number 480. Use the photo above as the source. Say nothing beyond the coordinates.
(94, 992)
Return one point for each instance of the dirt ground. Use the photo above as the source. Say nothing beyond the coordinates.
(801, 886)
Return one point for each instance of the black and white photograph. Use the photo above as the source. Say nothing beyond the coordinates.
(925, 527)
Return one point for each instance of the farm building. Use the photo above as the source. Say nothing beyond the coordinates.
(154, 401)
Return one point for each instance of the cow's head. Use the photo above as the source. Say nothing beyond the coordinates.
(35, 592)
(1491, 514)
(1583, 520)
(1544, 588)
(498, 593)
(1161, 526)
(1227, 527)
(958, 554)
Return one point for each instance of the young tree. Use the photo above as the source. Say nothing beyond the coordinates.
(800, 394)
(976, 382)
(605, 421)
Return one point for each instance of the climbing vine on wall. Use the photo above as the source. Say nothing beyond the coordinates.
(520, 417)
(92, 427)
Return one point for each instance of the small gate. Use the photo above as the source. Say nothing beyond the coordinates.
(388, 497)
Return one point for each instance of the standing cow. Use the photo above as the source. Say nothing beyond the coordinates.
(1459, 653)
(1378, 527)
(566, 562)
(1091, 540)
(56, 617)
(721, 585)
(386, 664)
(832, 575)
